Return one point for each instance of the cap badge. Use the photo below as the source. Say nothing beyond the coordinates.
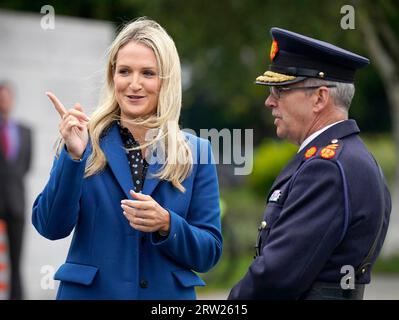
(273, 50)
(310, 152)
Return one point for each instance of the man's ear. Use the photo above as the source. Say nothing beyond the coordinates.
(321, 98)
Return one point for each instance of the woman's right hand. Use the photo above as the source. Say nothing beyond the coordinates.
(73, 126)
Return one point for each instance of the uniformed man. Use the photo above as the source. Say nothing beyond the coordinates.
(327, 213)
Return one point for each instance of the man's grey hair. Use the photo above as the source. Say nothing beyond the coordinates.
(342, 94)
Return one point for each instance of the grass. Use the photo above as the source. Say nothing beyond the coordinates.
(387, 265)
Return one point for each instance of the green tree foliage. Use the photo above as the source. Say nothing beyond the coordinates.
(225, 44)
(244, 210)
(385, 152)
(269, 159)
(272, 155)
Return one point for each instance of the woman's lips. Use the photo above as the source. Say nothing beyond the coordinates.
(135, 98)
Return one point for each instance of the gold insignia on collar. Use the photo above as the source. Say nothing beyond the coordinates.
(310, 152)
(333, 146)
(327, 153)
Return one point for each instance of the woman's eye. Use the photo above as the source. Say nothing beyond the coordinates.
(123, 71)
(149, 73)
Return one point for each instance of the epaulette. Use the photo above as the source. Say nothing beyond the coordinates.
(328, 152)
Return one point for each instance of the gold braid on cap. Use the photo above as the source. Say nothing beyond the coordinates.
(270, 76)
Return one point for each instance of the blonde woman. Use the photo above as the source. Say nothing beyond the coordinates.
(141, 195)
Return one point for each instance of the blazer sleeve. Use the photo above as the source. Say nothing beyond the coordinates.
(302, 239)
(55, 210)
(196, 242)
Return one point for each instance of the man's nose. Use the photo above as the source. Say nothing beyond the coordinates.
(270, 102)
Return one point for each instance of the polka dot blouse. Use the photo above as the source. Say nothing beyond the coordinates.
(138, 165)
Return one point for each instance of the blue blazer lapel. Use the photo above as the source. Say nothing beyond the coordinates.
(150, 180)
(115, 153)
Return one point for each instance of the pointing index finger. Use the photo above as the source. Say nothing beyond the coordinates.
(57, 104)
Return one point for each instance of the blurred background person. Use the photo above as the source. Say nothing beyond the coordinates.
(15, 160)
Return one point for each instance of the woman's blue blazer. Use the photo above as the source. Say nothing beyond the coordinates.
(108, 259)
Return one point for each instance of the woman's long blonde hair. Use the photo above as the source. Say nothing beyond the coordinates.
(178, 160)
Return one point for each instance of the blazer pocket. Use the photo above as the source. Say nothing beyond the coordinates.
(77, 273)
(188, 278)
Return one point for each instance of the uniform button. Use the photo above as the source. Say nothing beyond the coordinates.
(144, 284)
(334, 141)
(262, 225)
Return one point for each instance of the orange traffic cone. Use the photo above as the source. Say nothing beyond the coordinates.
(4, 265)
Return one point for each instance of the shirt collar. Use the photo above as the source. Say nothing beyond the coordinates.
(127, 137)
(314, 135)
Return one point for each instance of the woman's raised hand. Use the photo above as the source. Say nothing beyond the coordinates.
(73, 126)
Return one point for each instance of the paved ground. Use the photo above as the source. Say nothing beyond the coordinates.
(381, 288)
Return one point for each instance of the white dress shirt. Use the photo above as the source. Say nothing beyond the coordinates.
(316, 134)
